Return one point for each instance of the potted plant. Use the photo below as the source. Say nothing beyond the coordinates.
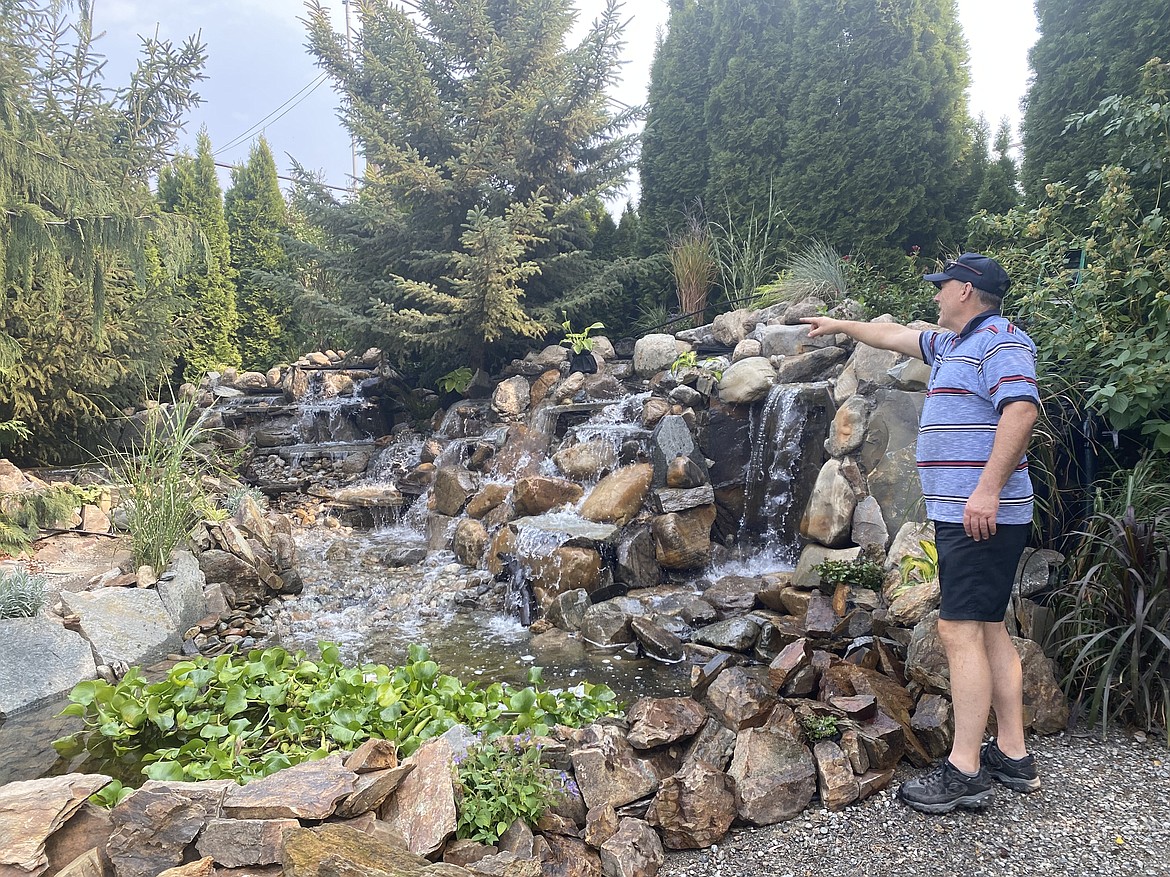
(581, 358)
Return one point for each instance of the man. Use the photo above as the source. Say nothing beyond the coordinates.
(980, 407)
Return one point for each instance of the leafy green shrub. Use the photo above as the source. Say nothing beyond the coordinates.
(163, 477)
(1112, 633)
(818, 728)
(904, 295)
(860, 573)
(242, 717)
(22, 595)
(501, 781)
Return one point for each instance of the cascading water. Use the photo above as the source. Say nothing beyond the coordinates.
(770, 511)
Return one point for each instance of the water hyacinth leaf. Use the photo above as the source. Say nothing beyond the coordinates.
(235, 702)
(84, 693)
(167, 771)
(522, 701)
(68, 747)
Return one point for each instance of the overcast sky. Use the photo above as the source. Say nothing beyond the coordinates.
(257, 64)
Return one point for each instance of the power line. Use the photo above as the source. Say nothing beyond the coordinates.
(286, 107)
(230, 167)
(286, 179)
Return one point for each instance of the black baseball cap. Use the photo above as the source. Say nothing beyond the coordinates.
(982, 272)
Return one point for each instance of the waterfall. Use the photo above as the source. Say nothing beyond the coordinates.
(771, 516)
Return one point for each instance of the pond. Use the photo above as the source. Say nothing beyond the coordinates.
(374, 613)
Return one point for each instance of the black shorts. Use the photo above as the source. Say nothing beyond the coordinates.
(977, 577)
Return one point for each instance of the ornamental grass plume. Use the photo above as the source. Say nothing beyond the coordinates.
(692, 258)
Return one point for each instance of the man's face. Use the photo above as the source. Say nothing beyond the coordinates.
(947, 299)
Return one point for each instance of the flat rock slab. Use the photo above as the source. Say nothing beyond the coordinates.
(32, 810)
(310, 790)
(131, 625)
(39, 660)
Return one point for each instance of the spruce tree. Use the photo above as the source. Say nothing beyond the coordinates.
(1086, 51)
(486, 138)
(189, 187)
(85, 252)
(256, 220)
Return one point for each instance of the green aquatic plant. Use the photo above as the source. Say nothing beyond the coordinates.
(250, 715)
(500, 781)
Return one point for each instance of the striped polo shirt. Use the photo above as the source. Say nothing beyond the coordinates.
(973, 375)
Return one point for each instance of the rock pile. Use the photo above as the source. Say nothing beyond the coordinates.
(205, 602)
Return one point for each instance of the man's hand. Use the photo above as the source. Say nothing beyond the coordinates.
(822, 326)
(979, 514)
(887, 336)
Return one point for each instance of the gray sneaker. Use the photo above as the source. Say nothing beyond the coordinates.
(1018, 774)
(945, 788)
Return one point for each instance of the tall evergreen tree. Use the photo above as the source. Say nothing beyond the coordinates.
(188, 186)
(675, 160)
(84, 250)
(256, 219)
(1087, 50)
(849, 114)
(999, 193)
(877, 130)
(485, 136)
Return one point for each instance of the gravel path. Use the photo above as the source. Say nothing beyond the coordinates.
(1104, 810)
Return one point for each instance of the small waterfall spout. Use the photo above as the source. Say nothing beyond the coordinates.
(771, 513)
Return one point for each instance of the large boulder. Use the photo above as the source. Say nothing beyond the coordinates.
(33, 810)
(611, 772)
(588, 460)
(774, 775)
(828, 517)
(654, 353)
(672, 438)
(537, 494)
(423, 807)
(310, 790)
(618, 497)
(635, 851)
(452, 488)
(511, 398)
(747, 381)
(683, 539)
(39, 660)
(658, 721)
(694, 808)
(128, 625)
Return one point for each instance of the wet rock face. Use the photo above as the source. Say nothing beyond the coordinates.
(619, 496)
(683, 540)
(537, 494)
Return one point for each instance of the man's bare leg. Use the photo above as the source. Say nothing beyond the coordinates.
(971, 688)
(1007, 690)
